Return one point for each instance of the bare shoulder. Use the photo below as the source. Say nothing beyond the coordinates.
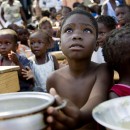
(56, 76)
(101, 69)
(104, 78)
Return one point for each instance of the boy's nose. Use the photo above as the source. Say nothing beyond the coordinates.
(77, 37)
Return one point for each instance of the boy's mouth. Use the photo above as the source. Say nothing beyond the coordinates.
(76, 46)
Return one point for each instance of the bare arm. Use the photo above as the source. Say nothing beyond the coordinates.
(23, 16)
(99, 93)
(72, 117)
(2, 15)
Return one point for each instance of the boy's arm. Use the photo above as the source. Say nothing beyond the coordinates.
(72, 117)
(99, 93)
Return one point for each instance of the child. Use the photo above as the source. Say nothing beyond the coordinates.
(23, 47)
(121, 14)
(8, 47)
(105, 25)
(83, 82)
(116, 54)
(45, 24)
(43, 62)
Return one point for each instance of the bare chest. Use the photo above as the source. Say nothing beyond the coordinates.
(77, 90)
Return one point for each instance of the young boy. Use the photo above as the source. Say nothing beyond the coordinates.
(122, 14)
(8, 47)
(83, 82)
(116, 54)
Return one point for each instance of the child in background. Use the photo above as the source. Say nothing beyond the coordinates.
(105, 25)
(65, 10)
(116, 53)
(45, 24)
(43, 63)
(23, 47)
(8, 47)
(121, 14)
(23, 34)
(84, 83)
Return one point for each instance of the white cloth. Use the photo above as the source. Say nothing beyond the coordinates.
(46, 4)
(41, 72)
(12, 13)
(110, 10)
(97, 56)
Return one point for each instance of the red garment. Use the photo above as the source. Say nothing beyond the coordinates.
(121, 90)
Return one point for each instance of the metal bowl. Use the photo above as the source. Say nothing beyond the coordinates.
(24, 110)
(114, 114)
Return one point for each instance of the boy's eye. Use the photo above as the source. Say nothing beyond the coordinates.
(68, 30)
(86, 30)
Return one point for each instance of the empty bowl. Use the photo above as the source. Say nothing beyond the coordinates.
(113, 114)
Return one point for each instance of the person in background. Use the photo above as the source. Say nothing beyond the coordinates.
(122, 14)
(27, 8)
(12, 12)
(108, 8)
(45, 24)
(23, 47)
(46, 4)
(53, 16)
(116, 54)
(105, 25)
(65, 10)
(84, 84)
(69, 3)
(43, 62)
(9, 57)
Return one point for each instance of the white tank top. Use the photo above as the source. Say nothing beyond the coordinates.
(41, 72)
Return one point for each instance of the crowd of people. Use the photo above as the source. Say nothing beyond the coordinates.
(94, 38)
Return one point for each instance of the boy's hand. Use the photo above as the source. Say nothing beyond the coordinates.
(27, 73)
(65, 119)
(13, 57)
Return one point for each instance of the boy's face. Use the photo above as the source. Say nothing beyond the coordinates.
(120, 14)
(78, 37)
(38, 44)
(102, 32)
(7, 43)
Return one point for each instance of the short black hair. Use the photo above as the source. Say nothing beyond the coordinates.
(116, 50)
(83, 12)
(108, 21)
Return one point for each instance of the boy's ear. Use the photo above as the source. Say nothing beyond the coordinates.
(96, 46)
